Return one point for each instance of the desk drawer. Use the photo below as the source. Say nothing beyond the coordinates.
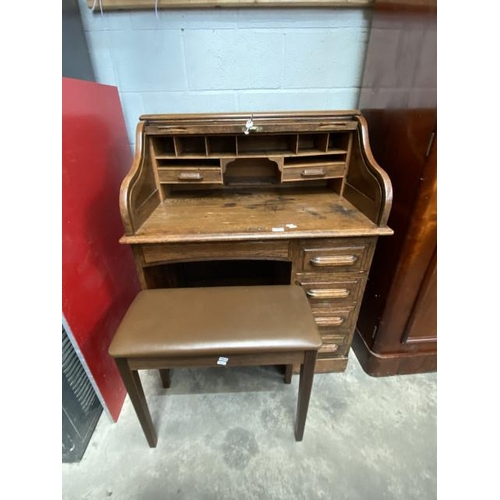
(306, 172)
(334, 320)
(190, 175)
(337, 290)
(351, 255)
(335, 327)
(333, 346)
(183, 252)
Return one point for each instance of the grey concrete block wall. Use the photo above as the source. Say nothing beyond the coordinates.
(234, 59)
(226, 60)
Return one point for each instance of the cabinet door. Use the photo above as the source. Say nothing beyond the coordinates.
(422, 325)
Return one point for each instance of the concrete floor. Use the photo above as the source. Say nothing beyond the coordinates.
(228, 434)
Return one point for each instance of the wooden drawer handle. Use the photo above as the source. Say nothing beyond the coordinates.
(329, 125)
(190, 176)
(313, 172)
(174, 130)
(329, 347)
(333, 260)
(326, 293)
(329, 320)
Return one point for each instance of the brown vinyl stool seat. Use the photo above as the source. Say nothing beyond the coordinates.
(229, 326)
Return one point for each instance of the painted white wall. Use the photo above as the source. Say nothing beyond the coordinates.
(226, 60)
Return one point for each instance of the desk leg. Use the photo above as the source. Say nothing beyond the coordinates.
(165, 378)
(136, 393)
(305, 385)
(288, 374)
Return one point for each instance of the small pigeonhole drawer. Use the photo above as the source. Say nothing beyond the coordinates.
(312, 172)
(190, 175)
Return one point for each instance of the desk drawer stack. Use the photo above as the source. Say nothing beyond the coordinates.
(300, 189)
(333, 274)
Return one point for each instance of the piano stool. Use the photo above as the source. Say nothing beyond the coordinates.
(216, 326)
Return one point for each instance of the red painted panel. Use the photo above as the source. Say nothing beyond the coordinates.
(99, 279)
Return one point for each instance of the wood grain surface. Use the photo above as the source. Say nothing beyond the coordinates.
(224, 215)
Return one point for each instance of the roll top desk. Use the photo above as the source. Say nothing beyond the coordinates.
(268, 198)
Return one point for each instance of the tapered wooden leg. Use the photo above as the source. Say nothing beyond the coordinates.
(136, 393)
(165, 378)
(305, 385)
(288, 374)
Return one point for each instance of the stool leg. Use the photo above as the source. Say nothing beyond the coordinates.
(288, 374)
(136, 393)
(305, 385)
(165, 378)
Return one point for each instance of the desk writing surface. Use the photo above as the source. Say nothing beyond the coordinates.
(245, 214)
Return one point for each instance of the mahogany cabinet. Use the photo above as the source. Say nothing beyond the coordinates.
(396, 331)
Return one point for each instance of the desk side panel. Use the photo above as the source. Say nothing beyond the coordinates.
(367, 186)
(139, 194)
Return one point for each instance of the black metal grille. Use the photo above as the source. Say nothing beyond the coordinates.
(80, 406)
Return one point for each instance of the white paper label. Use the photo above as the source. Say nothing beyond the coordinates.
(222, 361)
(277, 229)
(290, 226)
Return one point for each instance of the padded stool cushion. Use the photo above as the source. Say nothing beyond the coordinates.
(216, 321)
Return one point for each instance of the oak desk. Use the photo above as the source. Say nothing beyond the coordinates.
(268, 198)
